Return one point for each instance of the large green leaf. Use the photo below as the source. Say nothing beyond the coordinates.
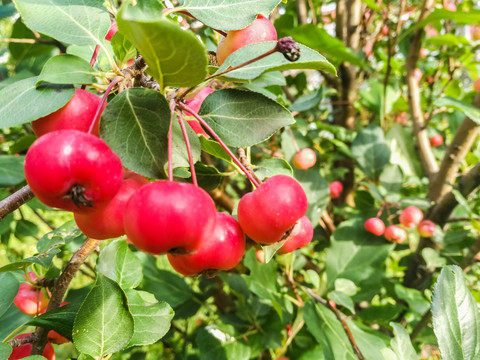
(11, 170)
(22, 102)
(243, 118)
(470, 17)
(104, 323)
(455, 316)
(135, 125)
(228, 15)
(371, 151)
(152, 319)
(175, 57)
(401, 344)
(5, 350)
(60, 319)
(220, 344)
(318, 39)
(67, 69)
(120, 264)
(469, 110)
(309, 59)
(403, 150)
(80, 22)
(9, 285)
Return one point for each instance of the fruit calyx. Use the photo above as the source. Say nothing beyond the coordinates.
(77, 195)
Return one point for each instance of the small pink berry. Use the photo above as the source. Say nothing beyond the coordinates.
(395, 233)
(375, 226)
(411, 217)
(426, 228)
(336, 189)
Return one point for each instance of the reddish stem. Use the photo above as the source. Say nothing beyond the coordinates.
(225, 147)
(92, 61)
(102, 103)
(294, 141)
(189, 149)
(170, 142)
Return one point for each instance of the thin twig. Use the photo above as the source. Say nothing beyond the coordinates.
(14, 201)
(189, 149)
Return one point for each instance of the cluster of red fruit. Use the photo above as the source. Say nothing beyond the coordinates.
(411, 217)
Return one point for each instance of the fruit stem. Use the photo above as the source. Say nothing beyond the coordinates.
(104, 100)
(225, 147)
(92, 61)
(189, 149)
(293, 139)
(170, 141)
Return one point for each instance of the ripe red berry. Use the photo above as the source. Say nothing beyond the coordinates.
(411, 216)
(375, 226)
(112, 31)
(108, 223)
(418, 74)
(73, 170)
(426, 228)
(30, 299)
(77, 114)
(423, 53)
(395, 233)
(261, 29)
(221, 250)
(336, 189)
(300, 236)
(274, 207)
(24, 350)
(385, 30)
(436, 140)
(166, 216)
(304, 159)
(195, 105)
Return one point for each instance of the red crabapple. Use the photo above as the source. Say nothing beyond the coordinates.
(195, 105)
(261, 29)
(395, 233)
(221, 250)
(336, 189)
(30, 299)
(112, 31)
(24, 350)
(266, 213)
(73, 170)
(301, 235)
(411, 216)
(436, 140)
(375, 226)
(304, 159)
(426, 228)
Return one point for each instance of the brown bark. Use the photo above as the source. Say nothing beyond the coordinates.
(14, 201)
(302, 12)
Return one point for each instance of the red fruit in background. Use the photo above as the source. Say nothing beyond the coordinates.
(273, 208)
(195, 105)
(475, 32)
(411, 217)
(395, 234)
(449, 6)
(112, 31)
(300, 236)
(30, 299)
(221, 250)
(375, 226)
(426, 228)
(418, 74)
(166, 216)
(476, 85)
(73, 170)
(436, 140)
(77, 114)
(304, 159)
(423, 53)
(23, 351)
(385, 30)
(261, 29)
(260, 255)
(336, 189)
(368, 48)
(108, 223)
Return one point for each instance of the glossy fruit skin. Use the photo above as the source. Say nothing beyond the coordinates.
(261, 29)
(112, 31)
(426, 228)
(395, 233)
(163, 216)
(77, 114)
(336, 189)
(266, 213)
(436, 140)
(301, 235)
(23, 351)
(63, 159)
(375, 226)
(221, 250)
(304, 159)
(30, 300)
(195, 105)
(411, 217)
(108, 223)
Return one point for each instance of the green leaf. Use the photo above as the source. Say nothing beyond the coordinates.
(215, 343)
(135, 125)
(455, 316)
(307, 102)
(413, 297)
(215, 149)
(123, 49)
(11, 321)
(11, 170)
(370, 342)
(5, 350)
(403, 150)
(340, 298)
(152, 319)
(243, 118)
(309, 59)
(67, 69)
(271, 167)
(80, 22)
(9, 285)
(320, 40)
(469, 110)
(392, 177)
(7, 10)
(402, 344)
(60, 319)
(43, 259)
(470, 17)
(317, 191)
(228, 15)
(208, 177)
(64, 234)
(371, 151)
(103, 324)
(119, 263)
(41, 101)
(175, 57)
